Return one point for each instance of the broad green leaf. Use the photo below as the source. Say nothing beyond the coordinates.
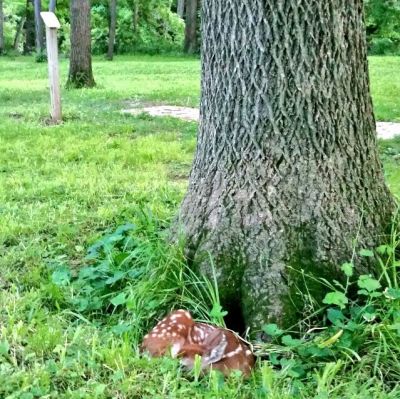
(336, 298)
(4, 347)
(272, 329)
(368, 283)
(369, 316)
(347, 269)
(366, 252)
(287, 340)
(384, 249)
(118, 275)
(293, 368)
(120, 299)
(392, 293)
(122, 328)
(87, 273)
(100, 389)
(335, 316)
(61, 276)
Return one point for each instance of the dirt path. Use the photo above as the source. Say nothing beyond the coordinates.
(386, 130)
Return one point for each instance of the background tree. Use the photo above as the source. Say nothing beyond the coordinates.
(29, 28)
(18, 32)
(286, 175)
(52, 5)
(135, 15)
(181, 8)
(39, 33)
(1, 27)
(111, 34)
(80, 63)
(191, 44)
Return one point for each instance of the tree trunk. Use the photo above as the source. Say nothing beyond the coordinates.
(80, 62)
(39, 38)
(191, 45)
(18, 33)
(286, 175)
(1, 28)
(29, 28)
(181, 8)
(111, 34)
(52, 5)
(135, 15)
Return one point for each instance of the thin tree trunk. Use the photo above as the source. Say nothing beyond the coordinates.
(191, 45)
(287, 176)
(1, 27)
(135, 15)
(39, 38)
(80, 62)
(52, 5)
(181, 8)
(18, 32)
(29, 27)
(113, 25)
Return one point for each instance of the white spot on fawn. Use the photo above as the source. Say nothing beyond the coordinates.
(235, 352)
(175, 349)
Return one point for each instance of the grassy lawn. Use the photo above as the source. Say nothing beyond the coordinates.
(62, 187)
(385, 87)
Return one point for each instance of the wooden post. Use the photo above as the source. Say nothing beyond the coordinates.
(52, 24)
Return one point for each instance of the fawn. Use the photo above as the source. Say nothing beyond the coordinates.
(219, 348)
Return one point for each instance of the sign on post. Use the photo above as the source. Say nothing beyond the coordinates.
(52, 24)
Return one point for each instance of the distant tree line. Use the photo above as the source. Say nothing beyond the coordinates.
(153, 26)
(383, 26)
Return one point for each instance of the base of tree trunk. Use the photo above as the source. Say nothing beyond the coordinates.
(80, 80)
(287, 182)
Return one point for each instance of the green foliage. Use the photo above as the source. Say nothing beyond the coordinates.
(383, 26)
(152, 26)
(360, 333)
(142, 26)
(136, 277)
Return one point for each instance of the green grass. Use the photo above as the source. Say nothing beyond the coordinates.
(385, 87)
(62, 187)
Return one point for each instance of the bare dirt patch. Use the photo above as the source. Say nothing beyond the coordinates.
(185, 113)
(385, 130)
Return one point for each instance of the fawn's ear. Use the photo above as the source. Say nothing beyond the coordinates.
(215, 345)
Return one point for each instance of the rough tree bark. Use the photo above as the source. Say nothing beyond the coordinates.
(286, 174)
(39, 32)
(181, 8)
(80, 62)
(111, 33)
(1, 27)
(191, 45)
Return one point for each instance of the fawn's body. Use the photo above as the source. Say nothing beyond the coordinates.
(219, 348)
